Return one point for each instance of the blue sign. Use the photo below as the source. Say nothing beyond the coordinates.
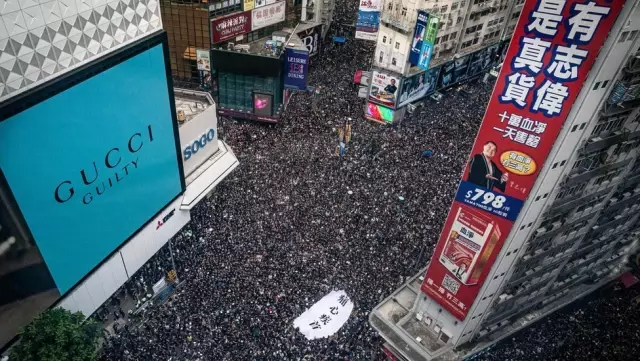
(418, 37)
(297, 65)
(425, 55)
(496, 203)
(368, 18)
(92, 164)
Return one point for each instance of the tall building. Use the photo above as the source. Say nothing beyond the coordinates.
(465, 26)
(119, 159)
(553, 216)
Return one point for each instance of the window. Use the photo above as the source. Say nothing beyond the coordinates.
(454, 6)
(564, 161)
(573, 129)
(380, 58)
(623, 37)
(397, 45)
(404, 11)
(437, 41)
(604, 84)
(453, 35)
(633, 35)
(582, 125)
(475, 41)
(393, 61)
(596, 85)
(390, 7)
(384, 39)
(444, 8)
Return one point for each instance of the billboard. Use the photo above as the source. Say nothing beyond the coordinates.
(311, 40)
(461, 68)
(296, 67)
(418, 35)
(103, 161)
(379, 113)
(552, 50)
(267, 15)
(262, 104)
(418, 86)
(228, 27)
(446, 77)
(368, 19)
(384, 89)
(429, 40)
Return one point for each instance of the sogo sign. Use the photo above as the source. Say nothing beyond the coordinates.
(198, 144)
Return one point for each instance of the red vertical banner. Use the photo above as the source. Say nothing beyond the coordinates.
(552, 50)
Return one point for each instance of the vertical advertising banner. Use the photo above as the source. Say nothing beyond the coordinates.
(427, 43)
(203, 62)
(297, 65)
(552, 50)
(368, 19)
(228, 27)
(418, 36)
(384, 89)
(418, 86)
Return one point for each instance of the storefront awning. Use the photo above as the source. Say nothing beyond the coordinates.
(212, 171)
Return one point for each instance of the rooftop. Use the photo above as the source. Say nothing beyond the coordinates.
(191, 103)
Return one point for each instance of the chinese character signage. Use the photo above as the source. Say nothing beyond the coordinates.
(368, 19)
(384, 88)
(552, 50)
(326, 316)
(229, 27)
(267, 15)
(296, 66)
(427, 43)
(204, 68)
(418, 86)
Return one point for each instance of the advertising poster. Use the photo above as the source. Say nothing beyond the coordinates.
(418, 35)
(418, 86)
(248, 5)
(446, 76)
(491, 56)
(384, 89)
(267, 15)
(379, 113)
(476, 64)
(262, 104)
(461, 69)
(296, 67)
(429, 40)
(528, 107)
(368, 19)
(311, 40)
(228, 27)
(117, 168)
(204, 68)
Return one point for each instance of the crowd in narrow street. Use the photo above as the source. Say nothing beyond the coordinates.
(295, 221)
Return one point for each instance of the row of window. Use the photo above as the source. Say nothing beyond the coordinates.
(473, 29)
(469, 43)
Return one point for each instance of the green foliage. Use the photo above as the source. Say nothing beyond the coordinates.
(57, 335)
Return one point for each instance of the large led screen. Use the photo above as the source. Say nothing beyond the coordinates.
(91, 164)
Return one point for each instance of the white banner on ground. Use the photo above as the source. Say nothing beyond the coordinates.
(326, 316)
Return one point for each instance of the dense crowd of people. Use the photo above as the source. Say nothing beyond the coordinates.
(295, 221)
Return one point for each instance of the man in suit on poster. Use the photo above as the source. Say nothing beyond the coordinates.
(484, 172)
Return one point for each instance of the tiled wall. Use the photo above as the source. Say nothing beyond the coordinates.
(41, 39)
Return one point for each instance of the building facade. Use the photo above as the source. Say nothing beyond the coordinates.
(574, 233)
(465, 26)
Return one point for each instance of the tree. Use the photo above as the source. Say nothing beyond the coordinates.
(56, 335)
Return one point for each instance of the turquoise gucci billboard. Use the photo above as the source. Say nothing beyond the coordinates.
(89, 164)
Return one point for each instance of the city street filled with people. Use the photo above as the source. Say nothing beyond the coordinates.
(295, 221)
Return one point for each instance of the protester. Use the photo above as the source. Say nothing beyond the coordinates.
(295, 221)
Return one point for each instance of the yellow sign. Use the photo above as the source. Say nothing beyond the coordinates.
(518, 163)
(171, 276)
(248, 5)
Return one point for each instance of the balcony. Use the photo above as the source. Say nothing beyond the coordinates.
(603, 141)
(627, 198)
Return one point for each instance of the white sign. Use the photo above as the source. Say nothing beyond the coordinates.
(198, 139)
(267, 15)
(326, 316)
(202, 59)
(370, 5)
